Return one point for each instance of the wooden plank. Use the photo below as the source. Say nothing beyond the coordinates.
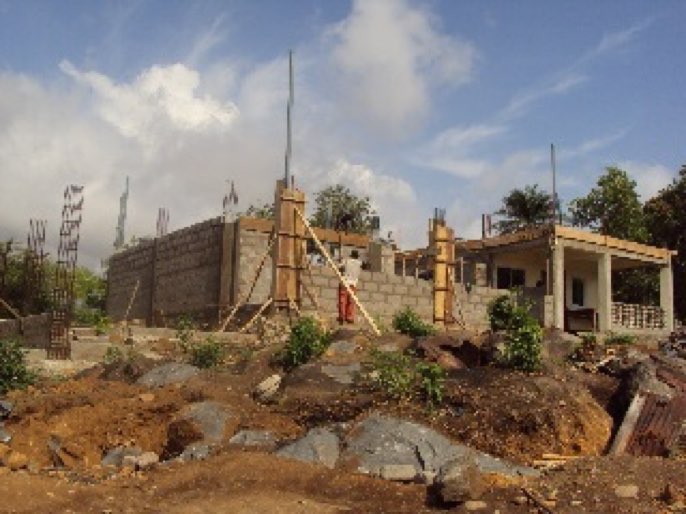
(324, 234)
(333, 266)
(10, 309)
(627, 428)
(131, 299)
(256, 315)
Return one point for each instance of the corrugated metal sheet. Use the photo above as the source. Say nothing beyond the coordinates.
(658, 426)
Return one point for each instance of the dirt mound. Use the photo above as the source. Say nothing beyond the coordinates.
(521, 417)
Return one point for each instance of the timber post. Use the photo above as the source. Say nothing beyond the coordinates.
(442, 251)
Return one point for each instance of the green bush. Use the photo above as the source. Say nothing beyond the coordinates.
(208, 354)
(394, 372)
(92, 317)
(307, 340)
(500, 312)
(524, 335)
(401, 376)
(14, 372)
(620, 339)
(185, 329)
(113, 354)
(408, 322)
(431, 382)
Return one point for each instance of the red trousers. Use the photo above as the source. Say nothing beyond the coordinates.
(346, 305)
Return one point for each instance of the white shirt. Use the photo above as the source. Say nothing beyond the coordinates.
(351, 271)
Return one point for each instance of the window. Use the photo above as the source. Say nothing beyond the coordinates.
(508, 278)
(577, 292)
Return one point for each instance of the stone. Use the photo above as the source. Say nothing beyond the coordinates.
(474, 505)
(342, 373)
(115, 457)
(460, 481)
(147, 460)
(341, 347)
(398, 472)
(626, 491)
(169, 373)
(201, 423)
(5, 436)
(266, 389)
(319, 446)
(16, 460)
(196, 452)
(146, 397)
(260, 438)
(5, 409)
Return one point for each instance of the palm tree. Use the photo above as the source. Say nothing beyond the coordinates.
(523, 208)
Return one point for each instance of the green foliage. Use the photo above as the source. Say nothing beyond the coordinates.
(93, 318)
(524, 334)
(395, 373)
(523, 208)
(612, 207)
(306, 341)
(588, 338)
(265, 211)
(408, 322)
(613, 338)
(14, 372)
(185, 330)
(666, 220)
(338, 208)
(208, 354)
(401, 376)
(431, 382)
(113, 354)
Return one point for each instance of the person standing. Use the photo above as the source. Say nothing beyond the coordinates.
(350, 269)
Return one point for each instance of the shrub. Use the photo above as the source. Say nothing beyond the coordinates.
(95, 318)
(14, 372)
(524, 334)
(185, 328)
(408, 322)
(307, 340)
(394, 372)
(431, 382)
(500, 312)
(208, 354)
(113, 354)
(621, 339)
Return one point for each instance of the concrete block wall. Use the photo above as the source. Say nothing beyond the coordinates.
(187, 271)
(381, 294)
(474, 305)
(32, 331)
(125, 269)
(252, 247)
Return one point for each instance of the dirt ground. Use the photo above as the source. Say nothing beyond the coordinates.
(507, 414)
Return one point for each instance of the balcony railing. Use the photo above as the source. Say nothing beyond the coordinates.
(631, 315)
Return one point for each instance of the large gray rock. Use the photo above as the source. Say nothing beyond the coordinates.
(380, 441)
(319, 446)
(342, 373)
(259, 438)
(197, 426)
(210, 418)
(170, 373)
(115, 457)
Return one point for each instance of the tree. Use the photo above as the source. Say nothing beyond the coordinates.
(612, 207)
(523, 208)
(666, 219)
(255, 211)
(338, 208)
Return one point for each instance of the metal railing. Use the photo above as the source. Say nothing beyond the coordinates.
(631, 315)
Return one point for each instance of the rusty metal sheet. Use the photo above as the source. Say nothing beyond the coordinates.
(658, 425)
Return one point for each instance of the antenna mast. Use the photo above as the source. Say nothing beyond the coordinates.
(289, 112)
(123, 200)
(553, 206)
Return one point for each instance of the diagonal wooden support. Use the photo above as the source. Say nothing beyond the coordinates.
(333, 266)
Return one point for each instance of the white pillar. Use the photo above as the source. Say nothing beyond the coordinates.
(604, 292)
(558, 279)
(667, 295)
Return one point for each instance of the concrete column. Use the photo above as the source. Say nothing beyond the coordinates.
(667, 295)
(558, 283)
(604, 292)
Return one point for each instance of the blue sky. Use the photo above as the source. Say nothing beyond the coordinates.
(418, 104)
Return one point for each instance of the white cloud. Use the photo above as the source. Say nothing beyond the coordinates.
(556, 86)
(389, 55)
(160, 99)
(650, 178)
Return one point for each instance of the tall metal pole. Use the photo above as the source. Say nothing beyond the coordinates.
(553, 207)
(289, 109)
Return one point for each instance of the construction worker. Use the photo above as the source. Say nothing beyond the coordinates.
(350, 269)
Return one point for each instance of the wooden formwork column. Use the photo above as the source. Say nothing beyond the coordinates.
(442, 245)
(289, 249)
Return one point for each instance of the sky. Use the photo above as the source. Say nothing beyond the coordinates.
(416, 104)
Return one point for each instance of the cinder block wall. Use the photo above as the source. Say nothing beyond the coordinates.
(177, 274)
(32, 331)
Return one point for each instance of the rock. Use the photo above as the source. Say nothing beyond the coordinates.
(5, 409)
(319, 445)
(147, 460)
(261, 438)
(398, 472)
(146, 397)
(170, 373)
(202, 423)
(196, 451)
(459, 481)
(474, 505)
(342, 373)
(115, 457)
(16, 460)
(134, 458)
(626, 491)
(266, 389)
(341, 348)
(382, 440)
(5, 436)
